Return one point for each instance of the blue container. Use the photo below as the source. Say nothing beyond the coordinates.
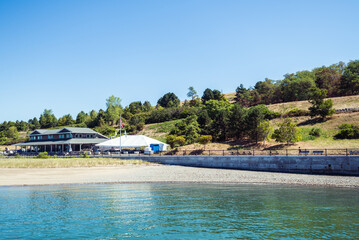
(155, 147)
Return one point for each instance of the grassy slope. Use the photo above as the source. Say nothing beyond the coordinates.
(158, 131)
(329, 127)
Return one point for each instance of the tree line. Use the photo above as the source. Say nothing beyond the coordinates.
(210, 114)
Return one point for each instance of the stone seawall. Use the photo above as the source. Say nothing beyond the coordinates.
(335, 165)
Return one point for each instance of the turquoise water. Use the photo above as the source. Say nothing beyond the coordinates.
(178, 211)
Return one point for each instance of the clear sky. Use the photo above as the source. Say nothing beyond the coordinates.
(71, 55)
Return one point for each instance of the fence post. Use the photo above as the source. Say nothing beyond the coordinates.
(253, 152)
(326, 154)
(237, 152)
(286, 151)
(270, 152)
(346, 151)
(223, 152)
(209, 152)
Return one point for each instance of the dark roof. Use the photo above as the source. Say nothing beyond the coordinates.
(56, 131)
(69, 141)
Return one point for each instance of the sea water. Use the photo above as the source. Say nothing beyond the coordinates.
(178, 211)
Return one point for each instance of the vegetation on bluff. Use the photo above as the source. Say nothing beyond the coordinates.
(213, 115)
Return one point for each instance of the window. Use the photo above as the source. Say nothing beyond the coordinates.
(50, 137)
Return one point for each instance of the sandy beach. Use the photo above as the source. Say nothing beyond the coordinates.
(162, 173)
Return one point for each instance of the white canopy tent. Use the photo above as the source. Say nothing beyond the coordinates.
(132, 141)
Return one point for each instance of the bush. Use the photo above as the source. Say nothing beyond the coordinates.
(347, 131)
(86, 155)
(296, 112)
(287, 132)
(43, 155)
(315, 132)
(175, 141)
(106, 130)
(205, 139)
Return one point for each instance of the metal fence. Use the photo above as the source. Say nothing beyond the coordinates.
(280, 152)
(197, 152)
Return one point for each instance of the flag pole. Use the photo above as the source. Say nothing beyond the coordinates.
(120, 134)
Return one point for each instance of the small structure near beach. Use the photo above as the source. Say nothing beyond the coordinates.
(133, 141)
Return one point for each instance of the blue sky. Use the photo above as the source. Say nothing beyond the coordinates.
(71, 55)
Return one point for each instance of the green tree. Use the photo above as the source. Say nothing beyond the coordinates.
(287, 132)
(350, 79)
(113, 101)
(81, 117)
(48, 119)
(113, 114)
(66, 120)
(254, 117)
(135, 107)
(34, 123)
(237, 120)
(137, 123)
(294, 86)
(188, 127)
(146, 107)
(12, 133)
(192, 93)
(328, 78)
(22, 125)
(320, 107)
(218, 111)
(267, 91)
(207, 95)
(169, 100)
(243, 96)
(264, 128)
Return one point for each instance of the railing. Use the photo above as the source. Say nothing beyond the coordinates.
(201, 152)
(280, 152)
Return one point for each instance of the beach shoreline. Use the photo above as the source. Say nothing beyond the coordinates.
(163, 174)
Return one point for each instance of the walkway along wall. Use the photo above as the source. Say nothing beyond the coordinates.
(336, 165)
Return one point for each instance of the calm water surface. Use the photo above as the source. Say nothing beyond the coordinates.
(178, 211)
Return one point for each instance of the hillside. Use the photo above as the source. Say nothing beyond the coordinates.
(338, 103)
(329, 128)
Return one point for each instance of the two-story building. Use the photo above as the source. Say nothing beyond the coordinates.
(66, 139)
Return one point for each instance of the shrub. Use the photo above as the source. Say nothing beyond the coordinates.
(86, 155)
(205, 139)
(43, 155)
(347, 131)
(315, 132)
(296, 112)
(175, 141)
(287, 132)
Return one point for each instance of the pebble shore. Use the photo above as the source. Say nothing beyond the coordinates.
(162, 174)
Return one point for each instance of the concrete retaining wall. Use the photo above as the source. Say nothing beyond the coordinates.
(338, 165)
